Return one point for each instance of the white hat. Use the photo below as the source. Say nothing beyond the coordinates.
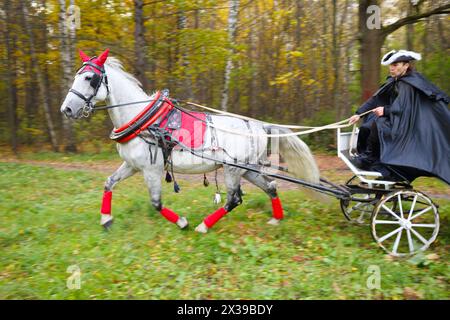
(401, 55)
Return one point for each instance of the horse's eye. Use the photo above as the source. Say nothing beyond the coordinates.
(88, 78)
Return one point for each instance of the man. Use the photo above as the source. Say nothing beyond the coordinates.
(407, 134)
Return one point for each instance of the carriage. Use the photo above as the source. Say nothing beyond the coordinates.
(403, 221)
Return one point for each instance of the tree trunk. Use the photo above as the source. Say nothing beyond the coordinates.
(340, 77)
(185, 83)
(211, 75)
(67, 34)
(31, 107)
(443, 72)
(336, 60)
(232, 24)
(152, 62)
(139, 43)
(299, 90)
(253, 55)
(40, 80)
(348, 47)
(410, 28)
(347, 79)
(11, 76)
(372, 40)
(425, 43)
(370, 51)
(324, 57)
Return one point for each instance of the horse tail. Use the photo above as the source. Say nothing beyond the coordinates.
(299, 159)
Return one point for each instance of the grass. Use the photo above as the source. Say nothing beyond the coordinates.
(110, 155)
(50, 222)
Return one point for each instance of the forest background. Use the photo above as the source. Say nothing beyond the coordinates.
(309, 62)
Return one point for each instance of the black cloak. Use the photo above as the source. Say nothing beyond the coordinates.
(414, 131)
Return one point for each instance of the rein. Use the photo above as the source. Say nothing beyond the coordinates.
(336, 125)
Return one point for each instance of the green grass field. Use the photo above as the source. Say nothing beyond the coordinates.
(50, 223)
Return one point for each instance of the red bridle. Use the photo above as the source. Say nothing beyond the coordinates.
(94, 64)
(158, 107)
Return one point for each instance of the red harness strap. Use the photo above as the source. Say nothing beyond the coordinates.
(140, 114)
(166, 107)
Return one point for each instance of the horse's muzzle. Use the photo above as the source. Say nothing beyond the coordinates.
(68, 112)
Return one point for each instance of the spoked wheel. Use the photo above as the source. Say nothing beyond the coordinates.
(359, 209)
(405, 222)
(359, 212)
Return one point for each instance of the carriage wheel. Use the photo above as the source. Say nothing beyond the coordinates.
(359, 212)
(405, 222)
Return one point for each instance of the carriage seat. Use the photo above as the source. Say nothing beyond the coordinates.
(345, 145)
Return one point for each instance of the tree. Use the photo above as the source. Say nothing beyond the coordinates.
(44, 94)
(282, 61)
(67, 33)
(140, 44)
(185, 82)
(232, 24)
(372, 39)
(11, 75)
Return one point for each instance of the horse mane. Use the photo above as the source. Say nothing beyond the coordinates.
(115, 63)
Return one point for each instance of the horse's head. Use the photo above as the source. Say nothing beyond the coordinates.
(89, 87)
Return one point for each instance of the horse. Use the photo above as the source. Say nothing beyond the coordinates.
(103, 79)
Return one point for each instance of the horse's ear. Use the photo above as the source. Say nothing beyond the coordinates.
(102, 58)
(84, 57)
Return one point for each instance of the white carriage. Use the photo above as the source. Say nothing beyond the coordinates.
(402, 221)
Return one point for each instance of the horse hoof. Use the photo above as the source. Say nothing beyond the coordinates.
(106, 220)
(202, 228)
(107, 225)
(182, 222)
(274, 222)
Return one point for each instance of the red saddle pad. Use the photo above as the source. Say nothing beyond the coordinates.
(191, 131)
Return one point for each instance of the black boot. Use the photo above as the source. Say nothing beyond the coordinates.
(361, 161)
(366, 159)
(371, 155)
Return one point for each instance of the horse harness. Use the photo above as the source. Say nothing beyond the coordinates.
(97, 79)
(147, 122)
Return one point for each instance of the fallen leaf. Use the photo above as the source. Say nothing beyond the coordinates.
(411, 294)
(298, 258)
(432, 256)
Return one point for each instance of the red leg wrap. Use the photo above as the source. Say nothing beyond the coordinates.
(106, 203)
(214, 217)
(169, 215)
(277, 209)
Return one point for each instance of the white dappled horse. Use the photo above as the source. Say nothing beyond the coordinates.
(103, 79)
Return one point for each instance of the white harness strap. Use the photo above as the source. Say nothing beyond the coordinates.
(337, 125)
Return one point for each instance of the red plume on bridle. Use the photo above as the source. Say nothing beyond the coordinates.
(99, 61)
(102, 58)
(84, 57)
